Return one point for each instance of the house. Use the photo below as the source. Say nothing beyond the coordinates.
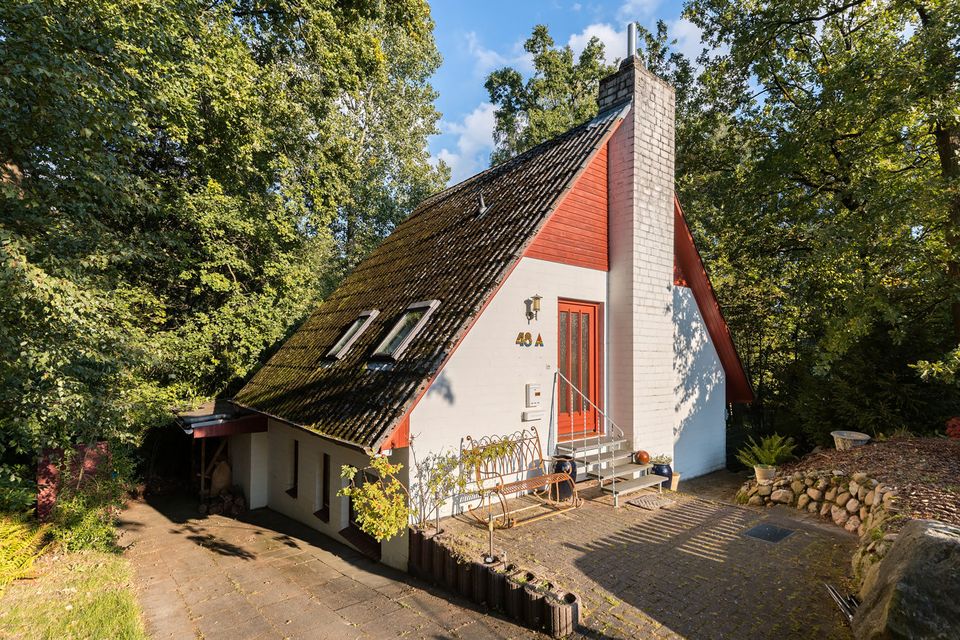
(568, 268)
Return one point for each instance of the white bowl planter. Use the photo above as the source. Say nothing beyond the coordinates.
(844, 440)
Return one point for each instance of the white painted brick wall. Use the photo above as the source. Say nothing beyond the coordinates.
(641, 165)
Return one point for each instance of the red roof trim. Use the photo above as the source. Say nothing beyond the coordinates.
(689, 271)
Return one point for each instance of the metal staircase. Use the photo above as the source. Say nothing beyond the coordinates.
(605, 454)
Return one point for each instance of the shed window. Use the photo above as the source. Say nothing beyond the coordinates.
(352, 333)
(406, 329)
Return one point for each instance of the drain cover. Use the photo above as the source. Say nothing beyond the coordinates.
(768, 532)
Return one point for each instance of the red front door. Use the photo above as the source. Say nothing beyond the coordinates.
(579, 362)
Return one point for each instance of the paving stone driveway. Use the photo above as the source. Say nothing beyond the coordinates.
(271, 577)
(685, 572)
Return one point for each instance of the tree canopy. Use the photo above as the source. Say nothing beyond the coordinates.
(182, 181)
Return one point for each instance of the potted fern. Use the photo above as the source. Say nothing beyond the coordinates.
(766, 455)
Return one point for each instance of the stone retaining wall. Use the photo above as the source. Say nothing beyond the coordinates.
(857, 503)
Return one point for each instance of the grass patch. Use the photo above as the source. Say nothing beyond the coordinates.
(86, 594)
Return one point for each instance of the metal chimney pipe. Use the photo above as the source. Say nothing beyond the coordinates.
(631, 39)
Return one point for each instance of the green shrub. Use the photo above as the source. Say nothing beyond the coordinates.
(772, 450)
(21, 542)
(17, 495)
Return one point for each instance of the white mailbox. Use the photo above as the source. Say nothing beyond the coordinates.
(533, 395)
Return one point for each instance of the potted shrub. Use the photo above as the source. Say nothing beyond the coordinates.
(661, 465)
(764, 456)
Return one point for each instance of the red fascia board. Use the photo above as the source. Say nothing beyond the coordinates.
(256, 423)
(689, 271)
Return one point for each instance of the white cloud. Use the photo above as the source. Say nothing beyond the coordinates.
(689, 39)
(614, 42)
(636, 9)
(486, 60)
(474, 143)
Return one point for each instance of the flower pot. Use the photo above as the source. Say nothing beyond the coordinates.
(561, 614)
(565, 464)
(675, 481)
(662, 470)
(765, 472)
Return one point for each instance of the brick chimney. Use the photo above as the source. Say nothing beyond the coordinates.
(641, 326)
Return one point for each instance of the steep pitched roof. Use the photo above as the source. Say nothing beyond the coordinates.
(444, 251)
(689, 271)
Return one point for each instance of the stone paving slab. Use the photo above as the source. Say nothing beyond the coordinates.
(683, 572)
(269, 577)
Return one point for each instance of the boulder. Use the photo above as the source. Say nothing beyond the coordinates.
(813, 507)
(755, 501)
(868, 499)
(831, 494)
(782, 496)
(842, 499)
(825, 509)
(815, 494)
(809, 482)
(839, 515)
(853, 505)
(764, 490)
(860, 478)
(822, 484)
(912, 592)
(797, 486)
(853, 487)
(803, 501)
(853, 523)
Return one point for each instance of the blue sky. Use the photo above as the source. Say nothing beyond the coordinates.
(478, 36)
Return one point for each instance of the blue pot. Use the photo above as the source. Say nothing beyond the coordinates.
(663, 470)
(565, 465)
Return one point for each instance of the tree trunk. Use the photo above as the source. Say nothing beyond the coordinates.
(948, 145)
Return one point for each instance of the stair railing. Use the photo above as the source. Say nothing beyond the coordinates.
(557, 377)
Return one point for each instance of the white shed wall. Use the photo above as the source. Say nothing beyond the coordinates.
(700, 434)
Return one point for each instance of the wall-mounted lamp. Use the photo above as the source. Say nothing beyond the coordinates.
(533, 307)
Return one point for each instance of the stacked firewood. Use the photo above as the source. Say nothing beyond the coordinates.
(229, 502)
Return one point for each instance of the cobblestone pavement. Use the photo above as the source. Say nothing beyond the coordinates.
(684, 572)
(271, 577)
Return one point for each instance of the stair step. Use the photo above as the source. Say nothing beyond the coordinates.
(590, 463)
(626, 471)
(629, 486)
(580, 448)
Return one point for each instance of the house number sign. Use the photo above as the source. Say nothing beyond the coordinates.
(525, 339)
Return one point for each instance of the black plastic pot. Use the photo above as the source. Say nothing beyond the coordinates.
(561, 614)
(565, 464)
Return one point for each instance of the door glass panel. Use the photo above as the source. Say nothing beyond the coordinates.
(564, 366)
(575, 358)
(585, 359)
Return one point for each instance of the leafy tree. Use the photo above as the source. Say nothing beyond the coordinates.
(175, 175)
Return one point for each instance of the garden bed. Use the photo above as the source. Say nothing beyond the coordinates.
(925, 472)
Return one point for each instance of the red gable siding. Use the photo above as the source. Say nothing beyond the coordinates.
(576, 233)
(688, 271)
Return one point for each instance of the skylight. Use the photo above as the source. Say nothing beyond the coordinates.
(352, 333)
(407, 327)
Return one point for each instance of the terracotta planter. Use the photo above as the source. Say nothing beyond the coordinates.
(765, 472)
(561, 614)
(513, 594)
(465, 579)
(481, 581)
(532, 605)
(438, 560)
